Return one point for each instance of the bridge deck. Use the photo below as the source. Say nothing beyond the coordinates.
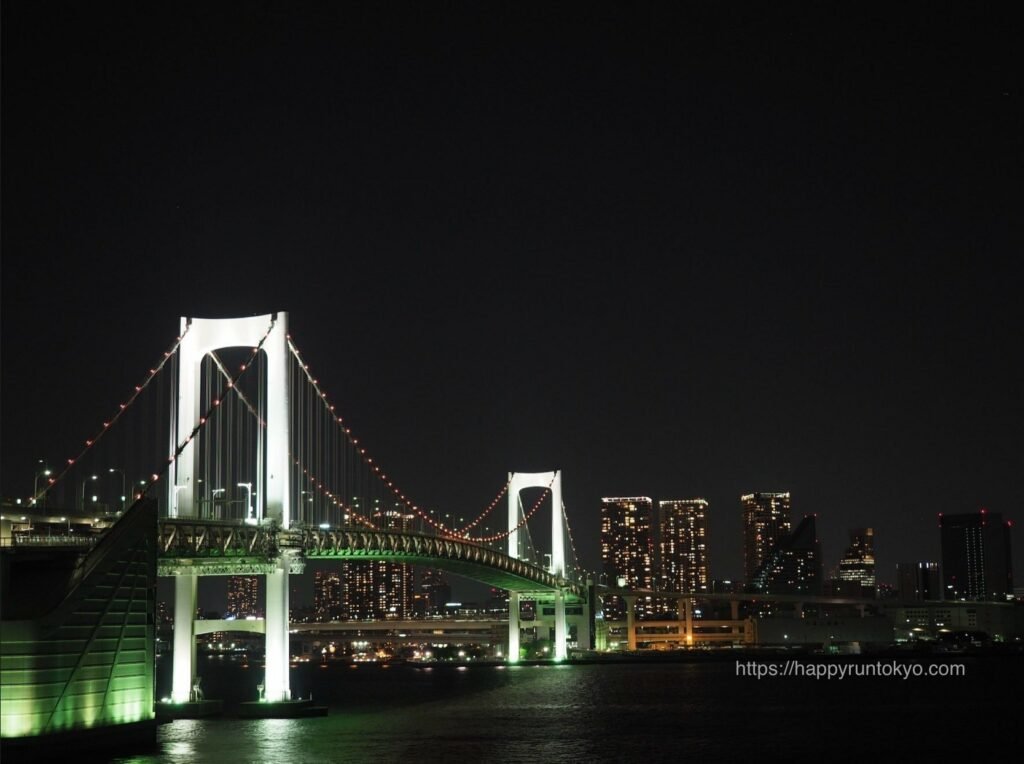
(210, 547)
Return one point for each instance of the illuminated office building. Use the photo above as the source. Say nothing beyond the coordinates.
(766, 519)
(855, 574)
(682, 532)
(627, 551)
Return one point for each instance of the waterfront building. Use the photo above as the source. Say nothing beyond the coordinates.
(855, 574)
(379, 589)
(627, 550)
(327, 591)
(243, 597)
(766, 519)
(682, 534)
(976, 563)
(794, 566)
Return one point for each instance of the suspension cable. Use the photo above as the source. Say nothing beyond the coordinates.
(52, 481)
(368, 461)
(214, 404)
(332, 496)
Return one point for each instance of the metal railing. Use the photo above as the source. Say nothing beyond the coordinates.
(24, 540)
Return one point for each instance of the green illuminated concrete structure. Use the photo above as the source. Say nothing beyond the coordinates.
(77, 641)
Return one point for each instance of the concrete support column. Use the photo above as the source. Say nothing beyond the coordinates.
(561, 648)
(278, 650)
(583, 627)
(798, 610)
(277, 492)
(688, 619)
(630, 622)
(600, 624)
(734, 609)
(184, 658)
(513, 627)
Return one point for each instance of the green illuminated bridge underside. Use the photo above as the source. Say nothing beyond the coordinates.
(209, 547)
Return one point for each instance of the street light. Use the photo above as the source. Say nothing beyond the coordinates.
(248, 502)
(84, 483)
(111, 471)
(213, 502)
(44, 472)
(303, 514)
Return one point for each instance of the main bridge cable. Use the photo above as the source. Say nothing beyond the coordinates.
(52, 481)
(375, 468)
(520, 524)
(155, 477)
(572, 544)
(486, 512)
(237, 390)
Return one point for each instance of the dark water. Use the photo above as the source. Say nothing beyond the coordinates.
(643, 712)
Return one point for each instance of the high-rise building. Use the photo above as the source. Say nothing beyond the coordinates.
(976, 563)
(357, 590)
(627, 550)
(379, 589)
(327, 595)
(766, 519)
(794, 566)
(243, 597)
(855, 574)
(918, 581)
(683, 543)
(432, 593)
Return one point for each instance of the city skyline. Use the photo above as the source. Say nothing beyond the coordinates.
(663, 255)
(402, 321)
(642, 550)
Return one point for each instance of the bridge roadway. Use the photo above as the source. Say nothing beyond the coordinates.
(216, 547)
(796, 599)
(412, 631)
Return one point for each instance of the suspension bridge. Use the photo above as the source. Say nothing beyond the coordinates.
(255, 472)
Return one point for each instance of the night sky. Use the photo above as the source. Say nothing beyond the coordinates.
(702, 254)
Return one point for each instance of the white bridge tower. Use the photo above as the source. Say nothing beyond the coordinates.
(517, 482)
(201, 336)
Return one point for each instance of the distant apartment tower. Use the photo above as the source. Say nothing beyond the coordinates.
(627, 550)
(327, 595)
(683, 544)
(976, 562)
(766, 519)
(243, 597)
(357, 591)
(794, 566)
(855, 574)
(378, 589)
(918, 581)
